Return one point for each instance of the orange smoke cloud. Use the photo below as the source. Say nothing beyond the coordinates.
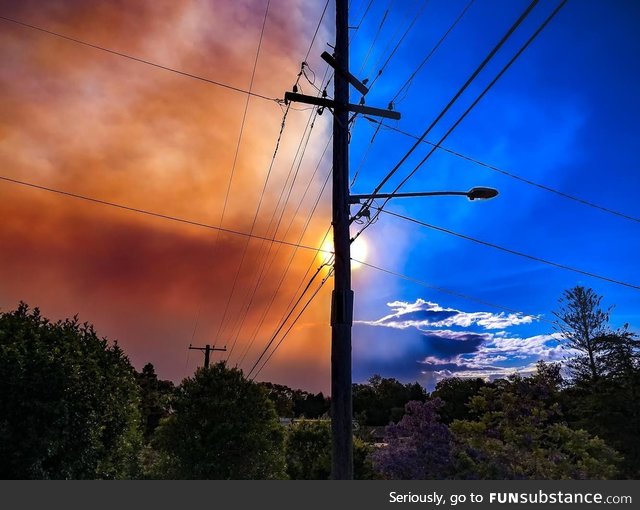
(84, 121)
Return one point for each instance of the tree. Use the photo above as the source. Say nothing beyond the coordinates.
(155, 399)
(418, 447)
(455, 393)
(520, 433)
(308, 452)
(223, 427)
(68, 401)
(382, 400)
(583, 325)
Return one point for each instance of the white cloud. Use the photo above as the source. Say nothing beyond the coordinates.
(423, 314)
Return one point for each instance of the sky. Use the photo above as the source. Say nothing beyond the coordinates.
(81, 120)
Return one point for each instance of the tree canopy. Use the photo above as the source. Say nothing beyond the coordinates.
(68, 401)
(223, 426)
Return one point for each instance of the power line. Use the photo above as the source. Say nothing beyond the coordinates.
(315, 34)
(508, 250)
(264, 351)
(409, 80)
(302, 145)
(235, 160)
(507, 173)
(466, 112)
(157, 215)
(324, 280)
(397, 46)
(290, 261)
(141, 60)
(449, 291)
(477, 71)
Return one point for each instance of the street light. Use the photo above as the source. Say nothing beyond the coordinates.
(477, 193)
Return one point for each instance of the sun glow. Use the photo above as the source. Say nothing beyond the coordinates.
(359, 251)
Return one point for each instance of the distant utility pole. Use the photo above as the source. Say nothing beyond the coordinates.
(342, 299)
(207, 349)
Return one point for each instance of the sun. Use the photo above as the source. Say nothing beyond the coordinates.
(359, 251)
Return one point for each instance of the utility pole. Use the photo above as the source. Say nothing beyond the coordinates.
(207, 349)
(342, 298)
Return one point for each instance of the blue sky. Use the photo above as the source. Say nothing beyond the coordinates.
(81, 120)
(565, 116)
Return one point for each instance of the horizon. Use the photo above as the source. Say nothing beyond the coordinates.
(200, 154)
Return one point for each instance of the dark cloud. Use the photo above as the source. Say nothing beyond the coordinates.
(443, 345)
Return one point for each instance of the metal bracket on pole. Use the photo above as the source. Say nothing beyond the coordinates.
(342, 308)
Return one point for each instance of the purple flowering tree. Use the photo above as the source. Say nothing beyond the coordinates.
(418, 447)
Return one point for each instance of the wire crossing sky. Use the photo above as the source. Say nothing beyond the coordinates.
(116, 119)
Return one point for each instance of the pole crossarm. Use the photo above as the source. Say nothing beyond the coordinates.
(207, 349)
(360, 87)
(330, 103)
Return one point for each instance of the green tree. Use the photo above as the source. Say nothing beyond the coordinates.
(383, 400)
(155, 398)
(455, 393)
(308, 452)
(583, 326)
(223, 426)
(520, 433)
(68, 401)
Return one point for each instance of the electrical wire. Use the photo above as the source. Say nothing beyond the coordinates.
(324, 280)
(156, 214)
(449, 291)
(141, 60)
(407, 83)
(508, 250)
(399, 43)
(507, 173)
(464, 87)
(466, 112)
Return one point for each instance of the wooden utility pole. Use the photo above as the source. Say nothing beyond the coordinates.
(342, 298)
(207, 349)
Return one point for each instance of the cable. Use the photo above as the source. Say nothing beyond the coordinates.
(505, 172)
(482, 65)
(235, 158)
(302, 145)
(466, 112)
(386, 63)
(409, 80)
(375, 37)
(290, 261)
(157, 215)
(142, 61)
(306, 57)
(448, 291)
(293, 323)
(315, 275)
(508, 250)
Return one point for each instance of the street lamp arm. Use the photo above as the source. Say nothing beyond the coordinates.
(473, 194)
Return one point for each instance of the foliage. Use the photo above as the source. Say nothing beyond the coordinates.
(383, 400)
(583, 325)
(418, 447)
(520, 434)
(68, 401)
(605, 396)
(223, 427)
(155, 398)
(308, 452)
(292, 403)
(455, 393)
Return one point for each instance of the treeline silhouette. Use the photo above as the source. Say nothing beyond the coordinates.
(73, 407)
